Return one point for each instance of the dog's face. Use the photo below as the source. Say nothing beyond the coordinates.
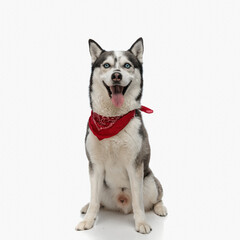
(116, 80)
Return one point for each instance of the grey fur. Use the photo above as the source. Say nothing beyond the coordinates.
(87, 132)
(144, 156)
(145, 152)
(87, 153)
(89, 162)
(159, 188)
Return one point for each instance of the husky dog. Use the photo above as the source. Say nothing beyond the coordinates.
(119, 170)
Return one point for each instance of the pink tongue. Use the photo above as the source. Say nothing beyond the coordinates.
(117, 99)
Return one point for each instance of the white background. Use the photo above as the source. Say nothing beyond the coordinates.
(192, 81)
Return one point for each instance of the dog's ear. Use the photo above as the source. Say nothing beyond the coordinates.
(137, 49)
(94, 49)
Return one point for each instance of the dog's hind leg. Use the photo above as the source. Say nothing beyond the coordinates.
(158, 207)
(153, 194)
(84, 209)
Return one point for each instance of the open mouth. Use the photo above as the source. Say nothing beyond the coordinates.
(116, 93)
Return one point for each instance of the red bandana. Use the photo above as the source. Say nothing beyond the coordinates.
(106, 127)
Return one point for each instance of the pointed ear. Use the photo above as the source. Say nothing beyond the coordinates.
(137, 49)
(94, 49)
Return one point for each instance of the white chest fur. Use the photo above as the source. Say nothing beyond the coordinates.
(116, 153)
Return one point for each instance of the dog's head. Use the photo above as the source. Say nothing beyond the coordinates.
(116, 79)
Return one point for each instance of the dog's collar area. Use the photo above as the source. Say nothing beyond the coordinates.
(106, 127)
(146, 109)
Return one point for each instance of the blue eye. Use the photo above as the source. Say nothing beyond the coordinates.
(127, 65)
(106, 65)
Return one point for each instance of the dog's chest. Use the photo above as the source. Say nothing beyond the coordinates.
(116, 153)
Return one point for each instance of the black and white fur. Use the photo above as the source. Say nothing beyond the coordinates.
(119, 166)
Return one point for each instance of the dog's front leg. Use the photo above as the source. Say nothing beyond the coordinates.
(136, 183)
(96, 180)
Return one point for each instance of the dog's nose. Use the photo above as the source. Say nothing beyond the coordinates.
(116, 77)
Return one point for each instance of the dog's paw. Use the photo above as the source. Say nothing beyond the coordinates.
(160, 209)
(143, 228)
(84, 225)
(84, 209)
